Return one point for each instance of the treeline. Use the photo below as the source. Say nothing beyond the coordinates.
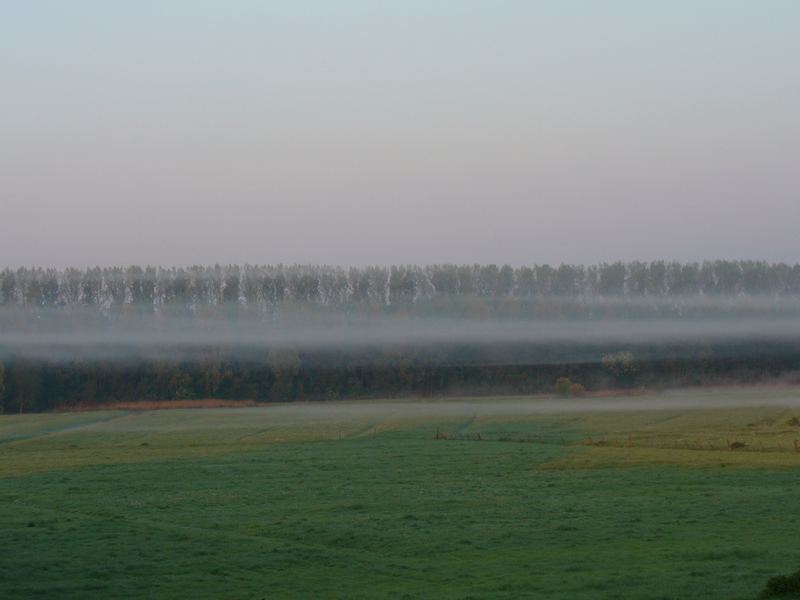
(290, 374)
(263, 288)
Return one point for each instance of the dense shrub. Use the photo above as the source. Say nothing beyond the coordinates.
(563, 385)
(577, 390)
(782, 586)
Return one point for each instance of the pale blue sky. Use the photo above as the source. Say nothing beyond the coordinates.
(349, 132)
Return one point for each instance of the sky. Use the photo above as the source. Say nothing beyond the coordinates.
(179, 132)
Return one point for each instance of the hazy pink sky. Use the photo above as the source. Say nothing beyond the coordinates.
(407, 132)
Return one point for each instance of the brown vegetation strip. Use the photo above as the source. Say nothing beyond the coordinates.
(162, 405)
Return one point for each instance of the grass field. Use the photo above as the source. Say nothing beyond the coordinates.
(543, 498)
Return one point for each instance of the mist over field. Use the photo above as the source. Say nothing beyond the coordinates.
(54, 337)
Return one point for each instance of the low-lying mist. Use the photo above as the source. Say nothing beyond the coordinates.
(655, 327)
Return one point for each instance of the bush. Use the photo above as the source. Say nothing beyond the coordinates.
(782, 586)
(577, 390)
(563, 385)
(564, 388)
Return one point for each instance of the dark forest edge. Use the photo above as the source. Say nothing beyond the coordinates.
(291, 375)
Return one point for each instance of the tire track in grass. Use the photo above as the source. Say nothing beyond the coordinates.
(372, 426)
(254, 433)
(462, 428)
(61, 430)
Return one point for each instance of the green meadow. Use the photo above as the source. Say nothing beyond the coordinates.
(684, 495)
